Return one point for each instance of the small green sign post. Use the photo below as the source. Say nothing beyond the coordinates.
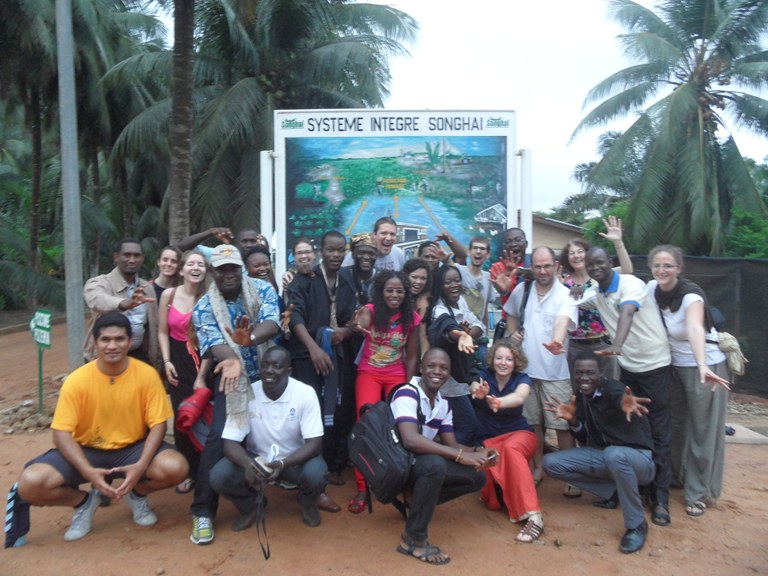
(40, 326)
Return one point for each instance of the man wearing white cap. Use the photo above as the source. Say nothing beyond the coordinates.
(237, 316)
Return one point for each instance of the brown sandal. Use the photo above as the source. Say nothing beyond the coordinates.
(530, 532)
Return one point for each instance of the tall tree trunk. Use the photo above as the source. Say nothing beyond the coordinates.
(182, 118)
(96, 254)
(37, 179)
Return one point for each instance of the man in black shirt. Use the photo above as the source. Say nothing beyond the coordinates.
(324, 302)
(615, 457)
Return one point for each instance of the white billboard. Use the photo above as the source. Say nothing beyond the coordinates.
(429, 170)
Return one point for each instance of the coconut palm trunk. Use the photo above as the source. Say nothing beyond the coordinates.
(182, 118)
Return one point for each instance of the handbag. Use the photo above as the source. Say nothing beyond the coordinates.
(729, 345)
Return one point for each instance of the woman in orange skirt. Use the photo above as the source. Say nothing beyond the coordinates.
(499, 394)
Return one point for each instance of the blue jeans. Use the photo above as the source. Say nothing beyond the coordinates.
(228, 479)
(603, 471)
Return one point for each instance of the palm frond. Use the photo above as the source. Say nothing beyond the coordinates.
(750, 111)
(616, 106)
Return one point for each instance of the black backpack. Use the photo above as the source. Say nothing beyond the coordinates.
(375, 449)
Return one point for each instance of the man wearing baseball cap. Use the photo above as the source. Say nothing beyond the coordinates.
(235, 320)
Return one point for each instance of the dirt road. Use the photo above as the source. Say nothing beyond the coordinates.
(730, 539)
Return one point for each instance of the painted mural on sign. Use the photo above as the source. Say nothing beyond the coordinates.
(344, 175)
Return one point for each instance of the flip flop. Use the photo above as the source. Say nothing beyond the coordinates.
(695, 509)
(356, 505)
(186, 486)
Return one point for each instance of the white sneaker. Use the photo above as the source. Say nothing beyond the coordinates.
(142, 513)
(82, 518)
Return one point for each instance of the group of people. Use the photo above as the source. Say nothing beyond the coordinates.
(629, 377)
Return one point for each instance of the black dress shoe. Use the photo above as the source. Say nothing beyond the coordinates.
(634, 539)
(609, 503)
(247, 519)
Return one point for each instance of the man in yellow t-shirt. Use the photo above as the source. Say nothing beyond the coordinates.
(109, 423)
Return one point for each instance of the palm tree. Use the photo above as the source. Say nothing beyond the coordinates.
(105, 31)
(701, 57)
(182, 120)
(253, 57)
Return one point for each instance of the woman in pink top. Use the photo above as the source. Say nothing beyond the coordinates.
(183, 367)
(390, 353)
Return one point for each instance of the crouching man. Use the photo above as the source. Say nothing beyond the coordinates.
(617, 453)
(109, 423)
(285, 429)
(442, 470)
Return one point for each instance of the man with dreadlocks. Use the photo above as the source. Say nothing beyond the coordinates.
(235, 322)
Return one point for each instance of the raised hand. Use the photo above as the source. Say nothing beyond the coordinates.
(554, 347)
(494, 403)
(633, 405)
(137, 299)
(466, 344)
(223, 235)
(229, 368)
(564, 411)
(479, 389)
(613, 229)
(285, 318)
(242, 333)
(360, 321)
(501, 274)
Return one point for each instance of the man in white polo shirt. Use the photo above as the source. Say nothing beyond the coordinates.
(541, 328)
(285, 429)
(642, 349)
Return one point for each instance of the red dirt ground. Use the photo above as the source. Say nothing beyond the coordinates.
(731, 538)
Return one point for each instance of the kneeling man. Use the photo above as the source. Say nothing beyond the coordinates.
(284, 427)
(109, 423)
(442, 470)
(616, 457)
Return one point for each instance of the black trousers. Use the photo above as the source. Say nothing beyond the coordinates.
(435, 480)
(655, 384)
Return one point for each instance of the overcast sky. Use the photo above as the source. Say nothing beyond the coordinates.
(537, 58)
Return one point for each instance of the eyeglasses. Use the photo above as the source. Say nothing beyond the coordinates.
(545, 268)
(663, 266)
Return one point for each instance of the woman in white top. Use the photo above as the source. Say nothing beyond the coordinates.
(699, 393)
(453, 327)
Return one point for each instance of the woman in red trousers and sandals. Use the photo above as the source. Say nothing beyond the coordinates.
(390, 353)
(499, 395)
